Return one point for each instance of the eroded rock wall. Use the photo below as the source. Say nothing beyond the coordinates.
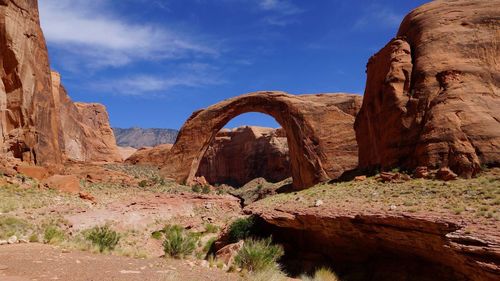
(238, 156)
(84, 130)
(28, 123)
(433, 93)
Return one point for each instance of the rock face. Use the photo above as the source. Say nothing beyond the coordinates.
(379, 247)
(139, 137)
(319, 130)
(84, 131)
(38, 121)
(154, 156)
(28, 123)
(433, 93)
(243, 154)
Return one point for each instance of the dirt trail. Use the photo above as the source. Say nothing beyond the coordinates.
(40, 262)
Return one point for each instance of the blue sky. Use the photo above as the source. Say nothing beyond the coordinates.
(154, 62)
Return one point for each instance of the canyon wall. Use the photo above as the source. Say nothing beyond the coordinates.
(238, 156)
(432, 95)
(39, 123)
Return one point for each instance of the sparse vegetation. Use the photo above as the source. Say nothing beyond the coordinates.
(10, 226)
(205, 189)
(241, 229)
(211, 228)
(178, 242)
(53, 235)
(103, 237)
(322, 274)
(196, 188)
(258, 255)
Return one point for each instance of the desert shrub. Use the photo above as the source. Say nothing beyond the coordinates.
(241, 229)
(157, 234)
(143, 183)
(196, 188)
(53, 234)
(322, 274)
(258, 255)
(211, 228)
(13, 226)
(205, 189)
(103, 237)
(178, 242)
(268, 274)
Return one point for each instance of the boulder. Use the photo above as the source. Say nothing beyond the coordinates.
(63, 183)
(433, 93)
(229, 252)
(36, 172)
(238, 156)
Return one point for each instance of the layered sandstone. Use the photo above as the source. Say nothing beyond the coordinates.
(433, 93)
(238, 156)
(319, 130)
(28, 123)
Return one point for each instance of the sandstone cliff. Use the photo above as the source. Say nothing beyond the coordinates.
(38, 121)
(28, 123)
(240, 155)
(432, 95)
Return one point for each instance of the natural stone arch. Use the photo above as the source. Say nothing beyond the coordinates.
(316, 155)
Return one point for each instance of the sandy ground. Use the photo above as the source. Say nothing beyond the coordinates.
(42, 262)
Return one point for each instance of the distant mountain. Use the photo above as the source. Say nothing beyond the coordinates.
(139, 137)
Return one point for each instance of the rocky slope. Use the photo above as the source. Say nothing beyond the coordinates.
(154, 156)
(432, 93)
(238, 156)
(139, 137)
(39, 123)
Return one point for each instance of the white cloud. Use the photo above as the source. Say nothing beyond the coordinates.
(192, 75)
(281, 6)
(376, 16)
(282, 12)
(88, 29)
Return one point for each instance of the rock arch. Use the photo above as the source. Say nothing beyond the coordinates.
(319, 130)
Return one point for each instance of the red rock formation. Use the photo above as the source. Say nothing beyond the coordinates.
(28, 126)
(84, 130)
(433, 93)
(319, 131)
(243, 154)
(38, 121)
(154, 156)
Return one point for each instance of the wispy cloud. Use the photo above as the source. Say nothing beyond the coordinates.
(282, 12)
(191, 75)
(87, 29)
(378, 16)
(281, 6)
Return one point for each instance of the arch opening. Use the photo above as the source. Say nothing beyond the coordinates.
(241, 154)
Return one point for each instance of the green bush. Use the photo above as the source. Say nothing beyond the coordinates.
(53, 234)
(103, 237)
(205, 189)
(211, 228)
(209, 245)
(241, 229)
(196, 188)
(322, 274)
(178, 242)
(258, 255)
